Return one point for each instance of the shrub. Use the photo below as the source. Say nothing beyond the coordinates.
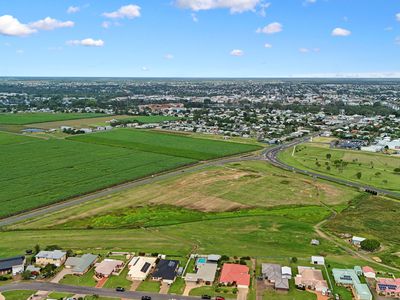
(370, 245)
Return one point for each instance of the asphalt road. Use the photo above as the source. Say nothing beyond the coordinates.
(55, 287)
(271, 155)
(121, 187)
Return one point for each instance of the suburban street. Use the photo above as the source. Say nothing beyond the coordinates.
(46, 286)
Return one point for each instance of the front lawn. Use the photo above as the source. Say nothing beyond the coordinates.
(149, 286)
(84, 280)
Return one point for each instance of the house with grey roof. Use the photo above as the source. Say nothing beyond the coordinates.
(80, 265)
(273, 274)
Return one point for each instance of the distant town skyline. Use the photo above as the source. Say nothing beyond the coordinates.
(200, 38)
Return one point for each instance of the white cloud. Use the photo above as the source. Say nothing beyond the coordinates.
(340, 32)
(308, 50)
(308, 2)
(12, 27)
(304, 50)
(237, 52)
(130, 11)
(389, 28)
(263, 9)
(271, 28)
(89, 42)
(235, 6)
(397, 40)
(194, 17)
(266, 45)
(106, 24)
(169, 56)
(73, 9)
(20, 51)
(50, 24)
(398, 17)
(145, 69)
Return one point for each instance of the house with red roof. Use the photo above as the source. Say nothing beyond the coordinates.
(235, 274)
(369, 272)
(388, 287)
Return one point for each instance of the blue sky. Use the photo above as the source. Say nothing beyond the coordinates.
(200, 38)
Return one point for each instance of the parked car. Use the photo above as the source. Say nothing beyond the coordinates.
(219, 298)
(206, 297)
(146, 298)
(120, 289)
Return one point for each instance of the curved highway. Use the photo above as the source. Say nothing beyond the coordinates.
(271, 155)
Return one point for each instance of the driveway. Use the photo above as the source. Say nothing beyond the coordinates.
(164, 288)
(135, 285)
(61, 275)
(190, 286)
(242, 294)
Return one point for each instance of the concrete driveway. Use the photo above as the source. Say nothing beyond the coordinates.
(61, 275)
(242, 293)
(190, 286)
(164, 288)
(135, 284)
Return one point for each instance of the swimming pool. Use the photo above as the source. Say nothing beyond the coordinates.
(201, 260)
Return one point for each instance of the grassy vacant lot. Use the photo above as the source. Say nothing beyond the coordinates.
(285, 232)
(376, 169)
(163, 143)
(372, 217)
(37, 172)
(17, 295)
(29, 118)
(247, 185)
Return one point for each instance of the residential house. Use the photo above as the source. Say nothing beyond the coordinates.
(317, 260)
(369, 272)
(388, 287)
(80, 265)
(273, 274)
(205, 273)
(13, 265)
(140, 267)
(55, 257)
(349, 278)
(108, 267)
(235, 274)
(311, 279)
(166, 271)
